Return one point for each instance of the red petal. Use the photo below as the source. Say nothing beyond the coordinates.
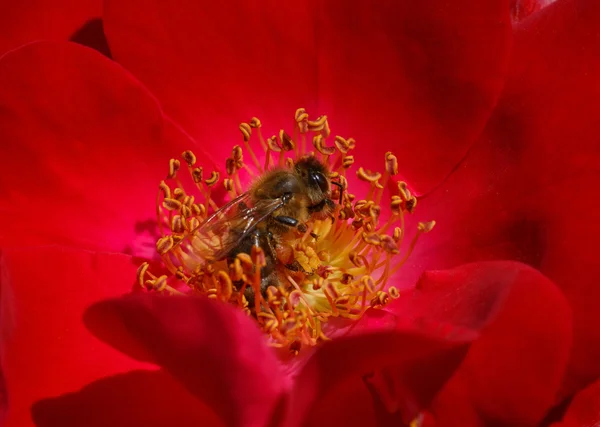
(420, 364)
(410, 72)
(46, 349)
(584, 409)
(137, 398)
(512, 373)
(527, 189)
(24, 22)
(413, 77)
(215, 351)
(217, 64)
(84, 147)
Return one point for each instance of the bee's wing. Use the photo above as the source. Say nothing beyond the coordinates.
(226, 228)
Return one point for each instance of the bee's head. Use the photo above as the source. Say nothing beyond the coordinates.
(314, 174)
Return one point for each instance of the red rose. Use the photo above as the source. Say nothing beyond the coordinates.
(493, 129)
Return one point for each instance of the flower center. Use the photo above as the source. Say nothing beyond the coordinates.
(293, 248)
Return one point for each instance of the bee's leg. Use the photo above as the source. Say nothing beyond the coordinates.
(291, 222)
(341, 187)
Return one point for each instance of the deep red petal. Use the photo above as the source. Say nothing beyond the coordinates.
(24, 22)
(217, 64)
(526, 190)
(84, 146)
(512, 373)
(553, 98)
(584, 409)
(401, 73)
(413, 77)
(46, 349)
(215, 351)
(137, 398)
(419, 363)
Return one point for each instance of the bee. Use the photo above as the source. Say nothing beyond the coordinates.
(279, 202)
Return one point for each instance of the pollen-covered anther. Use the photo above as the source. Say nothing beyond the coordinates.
(344, 145)
(368, 176)
(426, 227)
(347, 161)
(380, 300)
(141, 273)
(273, 144)
(411, 204)
(320, 125)
(286, 141)
(391, 163)
(171, 204)
(165, 189)
(174, 166)
(159, 284)
(177, 224)
(189, 157)
(255, 123)
(389, 244)
(228, 184)
(403, 191)
(371, 239)
(213, 179)
(319, 144)
(246, 131)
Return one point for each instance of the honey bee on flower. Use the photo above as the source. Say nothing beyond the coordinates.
(294, 248)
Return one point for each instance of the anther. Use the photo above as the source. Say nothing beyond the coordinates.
(426, 227)
(141, 273)
(246, 131)
(212, 180)
(166, 190)
(347, 161)
(367, 175)
(255, 123)
(172, 204)
(189, 158)
(273, 144)
(237, 154)
(319, 144)
(391, 163)
(411, 204)
(286, 141)
(164, 244)
(174, 166)
(197, 175)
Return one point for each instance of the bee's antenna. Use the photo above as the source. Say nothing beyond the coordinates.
(341, 190)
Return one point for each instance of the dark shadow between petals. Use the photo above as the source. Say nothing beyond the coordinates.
(136, 398)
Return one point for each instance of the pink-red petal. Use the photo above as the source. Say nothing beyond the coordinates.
(414, 77)
(408, 76)
(512, 373)
(24, 22)
(215, 351)
(84, 146)
(526, 190)
(417, 361)
(46, 350)
(584, 409)
(217, 64)
(137, 398)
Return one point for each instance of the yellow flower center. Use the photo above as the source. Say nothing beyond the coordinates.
(334, 264)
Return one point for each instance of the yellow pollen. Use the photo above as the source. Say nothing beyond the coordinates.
(338, 264)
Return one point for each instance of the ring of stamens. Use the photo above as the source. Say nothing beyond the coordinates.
(347, 260)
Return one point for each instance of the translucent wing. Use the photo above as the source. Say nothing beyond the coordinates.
(227, 227)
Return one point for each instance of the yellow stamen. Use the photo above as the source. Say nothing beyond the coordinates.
(343, 263)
